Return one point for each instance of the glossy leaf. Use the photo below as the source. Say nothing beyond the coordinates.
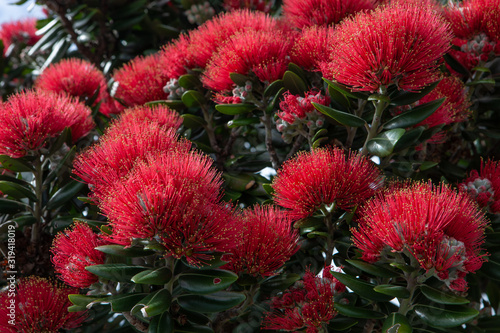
(391, 290)
(409, 139)
(207, 281)
(243, 122)
(234, 109)
(122, 251)
(15, 164)
(357, 312)
(341, 324)
(193, 98)
(16, 190)
(383, 144)
(8, 206)
(445, 317)
(345, 90)
(161, 324)
(273, 88)
(396, 323)
(340, 98)
(65, 194)
(189, 81)
(158, 276)
(455, 64)
(173, 104)
(154, 304)
(362, 288)
(55, 171)
(115, 272)
(192, 121)
(293, 83)
(297, 70)
(373, 269)
(83, 300)
(441, 297)
(213, 263)
(194, 329)
(239, 182)
(279, 282)
(216, 302)
(415, 115)
(123, 303)
(239, 79)
(344, 118)
(407, 98)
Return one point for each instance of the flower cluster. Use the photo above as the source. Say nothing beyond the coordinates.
(23, 31)
(484, 186)
(259, 5)
(442, 229)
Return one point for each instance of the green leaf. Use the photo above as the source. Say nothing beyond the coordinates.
(15, 164)
(243, 122)
(122, 251)
(441, 297)
(445, 317)
(83, 300)
(293, 83)
(409, 139)
(268, 188)
(383, 144)
(23, 221)
(115, 272)
(345, 90)
(55, 171)
(396, 323)
(239, 79)
(124, 302)
(478, 82)
(273, 88)
(173, 104)
(192, 121)
(344, 118)
(158, 276)
(189, 81)
(391, 290)
(16, 190)
(356, 312)
(278, 282)
(76, 308)
(341, 324)
(234, 109)
(207, 281)
(379, 97)
(373, 269)
(154, 304)
(11, 207)
(213, 263)
(161, 324)
(92, 223)
(239, 182)
(297, 70)
(193, 98)
(272, 104)
(65, 194)
(193, 329)
(414, 116)
(455, 65)
(407, 98)
(216, 302)
(339, 98)
(362, 288)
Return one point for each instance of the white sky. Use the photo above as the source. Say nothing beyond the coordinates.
(9, 12)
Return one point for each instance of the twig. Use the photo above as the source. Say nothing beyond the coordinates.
(266, 120)
(139, 325)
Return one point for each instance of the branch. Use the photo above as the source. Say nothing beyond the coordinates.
(266, 120)
(138, 325)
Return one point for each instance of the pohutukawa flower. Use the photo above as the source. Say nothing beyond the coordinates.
(205, 41)
(399, 44)
(441, 228)
(268, 242)
(119, 149)
(75, 77)
(175, 58)
(259, 5)
(74, 249)
(308, 13)
(140, 81)
(309, 304)
(173, 198)
(311, 47)
(325, 177)
(41, 306)
(262, 53)
(484, 186)
(30, 118)
(161, 114)
(23, 31)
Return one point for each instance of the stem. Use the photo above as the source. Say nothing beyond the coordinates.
(411, 284)
(170, 263)
(38, 174)
(351, 133)
(138, 325)
(266, 120)
(377, 117)
(296, 146)
(330, 242)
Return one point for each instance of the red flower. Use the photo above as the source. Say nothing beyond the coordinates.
(309, 304)
(140, 81)
(325, 177)
(73, 250)
(161, 114)
(30, 118)
(397, 44)
(75, 77)
(173, 198)
(484, 186)
(268, 242)
(175, 58)
(311, 47)
(212, 34)
(259, 5)
(119, 149)
(295, 108)
(308, 13)
(23, 31)
(263, 53)
(439, 227)
(41, 305)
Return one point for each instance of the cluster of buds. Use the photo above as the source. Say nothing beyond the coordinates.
(475, 51)
(240, 93)
(174, 90)
(481, 190)
(298, 113)
(199, 13)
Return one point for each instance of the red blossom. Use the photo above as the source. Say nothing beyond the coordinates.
(399, 44)
(484, 186)
(440, 227)
(295, 107)
(175, 58)
(41, 305)
(161, 114)
(140, 81)
(118, 150)
(325, 177)
(307, 13)
(268, 242)
(23, 31)
(74, 249)
(311, 47)
(30, 118)
(259, 5)
(75, 77)
(263, 53)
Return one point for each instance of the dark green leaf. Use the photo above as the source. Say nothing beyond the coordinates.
(83, 300)
(161, 324)
(341, 324)
(345, 90)
(207, 281)
(189, 81)
(414, 116)
(373, 269)
(55, 171)
(441, 297)
(23, 221)
(357, 312)
(279, 282)
(293, 83)
(193, 329)
(193, 98)
(16, 190)
(243, 122)
(154, 304)
(234, 109)
(76, 308)
(122, 251)
(15, 164)
(268, 188)
(128, 23)
(379, 97)
(339, 98)
(173, 104)
(192, 121)
(11, 207)
(396, 323)
(65, 194)
(455, 65)
(216, 302)
(276, 99)
(391, 290)
(362, 288)
(445, 317)
(383, 144)
(115, 272)
(123, 303)
(273, 88)
(407, 98)
(409, 138)
(478, 82)
(297, 70)
(215, 262)
(92, 223)
(239, 182)
(344, 118)
(239, 79)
